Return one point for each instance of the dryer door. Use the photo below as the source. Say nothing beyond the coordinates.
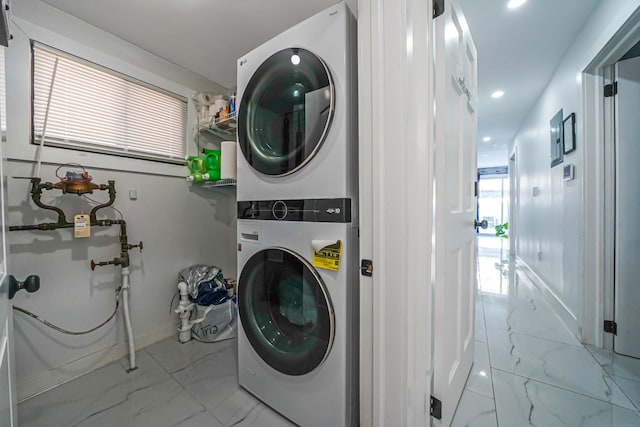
(285, 311)
(285, 112)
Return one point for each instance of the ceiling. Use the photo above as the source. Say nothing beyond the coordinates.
(204, 36)
(518, 50)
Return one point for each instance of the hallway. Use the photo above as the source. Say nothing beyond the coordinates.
(529, 370)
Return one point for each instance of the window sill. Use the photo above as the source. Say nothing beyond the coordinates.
(57, 156)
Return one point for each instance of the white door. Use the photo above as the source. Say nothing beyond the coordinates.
(8, 414)
(455, 238)
(627, 234)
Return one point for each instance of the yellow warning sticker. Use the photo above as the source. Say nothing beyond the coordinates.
(327, 255)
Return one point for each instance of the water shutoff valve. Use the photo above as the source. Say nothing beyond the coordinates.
(31, 284)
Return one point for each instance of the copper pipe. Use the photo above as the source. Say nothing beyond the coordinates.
(36, 194)
(112, 198)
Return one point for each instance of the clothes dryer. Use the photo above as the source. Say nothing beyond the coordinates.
(297, 116)
(298, 340)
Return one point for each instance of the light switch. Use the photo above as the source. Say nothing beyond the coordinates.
(133, 193)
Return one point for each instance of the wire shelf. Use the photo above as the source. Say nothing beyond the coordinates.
(221, 127)
(219, 183)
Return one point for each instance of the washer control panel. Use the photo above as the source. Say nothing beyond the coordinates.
(309, 210)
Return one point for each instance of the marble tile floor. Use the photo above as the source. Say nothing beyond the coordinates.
(529, 370)
(175, 385)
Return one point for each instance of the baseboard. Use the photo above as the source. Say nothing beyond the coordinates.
(556, 303)
(36, 384)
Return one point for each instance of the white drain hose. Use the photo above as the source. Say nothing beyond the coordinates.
(127, 317)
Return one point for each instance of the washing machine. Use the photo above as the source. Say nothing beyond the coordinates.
(297, 115)
(298, 339)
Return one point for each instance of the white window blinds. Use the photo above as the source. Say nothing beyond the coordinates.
(93, 109)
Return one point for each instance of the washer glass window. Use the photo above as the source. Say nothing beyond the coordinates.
(285, 112)
(285, 311)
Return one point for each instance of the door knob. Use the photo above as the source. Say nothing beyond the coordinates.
(482, 224)
(31, 284)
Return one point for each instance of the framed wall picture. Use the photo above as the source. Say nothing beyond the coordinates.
(569, 133)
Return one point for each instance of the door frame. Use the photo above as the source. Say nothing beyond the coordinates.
(514, 203)
(396, 142)
(4, 272)
(599, 184)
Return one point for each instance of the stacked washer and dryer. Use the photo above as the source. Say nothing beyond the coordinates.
(297, 189)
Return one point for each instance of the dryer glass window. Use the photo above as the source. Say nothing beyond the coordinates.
(285, 311)
(286, 111)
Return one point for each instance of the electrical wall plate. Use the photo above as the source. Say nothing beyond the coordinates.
(557, 149)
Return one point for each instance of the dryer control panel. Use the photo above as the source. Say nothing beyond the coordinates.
(308, 210)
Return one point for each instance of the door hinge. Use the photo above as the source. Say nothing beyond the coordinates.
(475, 189)
(611, 327)
(611, 90)
(366, 267)
(436, 408)
(438, 8)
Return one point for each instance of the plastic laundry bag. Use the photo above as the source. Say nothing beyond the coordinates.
(199, 277)
(215, 322)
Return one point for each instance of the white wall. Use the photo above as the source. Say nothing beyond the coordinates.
(551, 231)
(179, 227)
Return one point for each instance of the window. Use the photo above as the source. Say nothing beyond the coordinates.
(493, 200)
(80, 105)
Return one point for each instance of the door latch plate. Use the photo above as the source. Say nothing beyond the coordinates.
(366, 267)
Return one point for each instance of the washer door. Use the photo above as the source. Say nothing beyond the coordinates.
(285, 311)
(286, 111)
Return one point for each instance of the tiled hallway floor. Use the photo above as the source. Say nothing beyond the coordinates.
(529, 370)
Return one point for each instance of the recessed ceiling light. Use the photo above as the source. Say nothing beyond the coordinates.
(514, 4)
(497, 94)
(486, 139)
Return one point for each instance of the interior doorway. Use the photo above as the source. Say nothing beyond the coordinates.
(601, 155)
(626, 104)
